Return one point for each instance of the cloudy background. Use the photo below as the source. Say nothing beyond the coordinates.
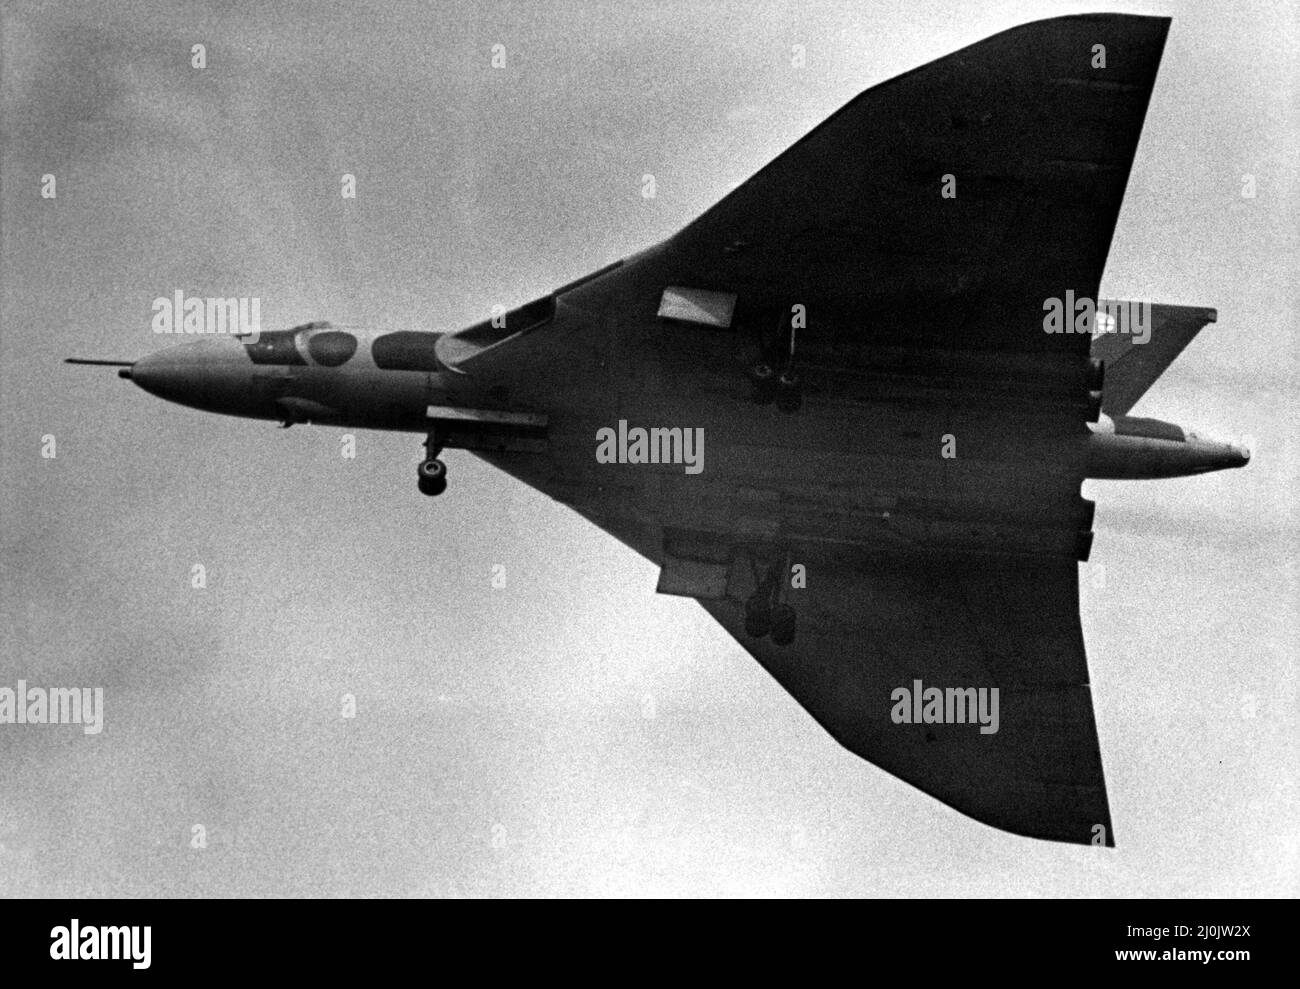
(572, 732)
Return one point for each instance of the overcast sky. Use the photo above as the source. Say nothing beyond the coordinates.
(502, 743)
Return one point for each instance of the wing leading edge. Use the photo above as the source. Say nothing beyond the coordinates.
(1038, 138)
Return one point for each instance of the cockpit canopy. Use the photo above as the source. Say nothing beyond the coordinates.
(325, 345)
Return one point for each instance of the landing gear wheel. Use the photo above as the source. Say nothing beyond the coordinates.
(432, 471)
(783, 625)
(433, 477)
(758, 616)
(432, 488)
(763, 375)
(789, 392)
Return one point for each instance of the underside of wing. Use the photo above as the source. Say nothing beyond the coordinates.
(928, 476)
(941, 208)
(872, 625)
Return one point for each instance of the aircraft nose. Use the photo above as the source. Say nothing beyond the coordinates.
(162, 373)
(191, 373)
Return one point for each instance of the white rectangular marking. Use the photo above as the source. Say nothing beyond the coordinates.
(698, 305)
(454, 414)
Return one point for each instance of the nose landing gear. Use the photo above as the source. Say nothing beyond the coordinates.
(432, 472)
(433, 477)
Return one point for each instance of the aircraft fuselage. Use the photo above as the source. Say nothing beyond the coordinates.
(896, 460)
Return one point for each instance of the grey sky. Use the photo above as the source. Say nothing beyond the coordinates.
(501, 744)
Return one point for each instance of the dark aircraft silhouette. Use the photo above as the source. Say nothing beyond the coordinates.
(883, 356)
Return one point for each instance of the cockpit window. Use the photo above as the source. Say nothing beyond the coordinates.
(333, 348)
(275, 347)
